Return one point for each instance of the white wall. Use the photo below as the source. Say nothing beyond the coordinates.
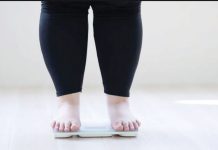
(180, 45)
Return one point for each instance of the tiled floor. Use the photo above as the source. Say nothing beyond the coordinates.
(172, 119)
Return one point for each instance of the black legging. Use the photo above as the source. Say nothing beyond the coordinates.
(118, 39)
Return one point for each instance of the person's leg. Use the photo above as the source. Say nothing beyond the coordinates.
(118, 37)
(63, 37)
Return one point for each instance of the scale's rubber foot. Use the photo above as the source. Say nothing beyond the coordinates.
(95, 132)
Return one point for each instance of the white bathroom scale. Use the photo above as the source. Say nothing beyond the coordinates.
(95, 131)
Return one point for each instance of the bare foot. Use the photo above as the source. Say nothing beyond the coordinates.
(67, 117)
(120, 114)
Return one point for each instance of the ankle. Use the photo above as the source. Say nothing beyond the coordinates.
(116, 100)
(72, 99)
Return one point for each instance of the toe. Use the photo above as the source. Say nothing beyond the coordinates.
(57, 125)
(131, 126)
(74, 127)
(62, 126)
(135, 125)
(67, 127)
(138, 122)
(117, 126)
(77, 127)
(125, 126)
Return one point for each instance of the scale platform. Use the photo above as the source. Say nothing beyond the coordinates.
(95, 131)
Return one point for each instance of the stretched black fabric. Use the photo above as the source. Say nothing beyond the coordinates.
(118, 37)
